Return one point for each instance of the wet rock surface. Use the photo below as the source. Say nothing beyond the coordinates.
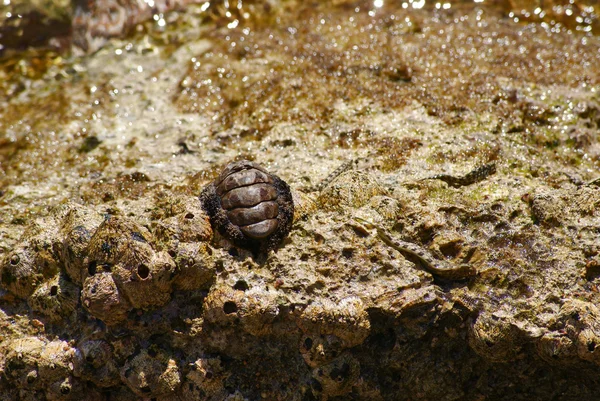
(466, 134)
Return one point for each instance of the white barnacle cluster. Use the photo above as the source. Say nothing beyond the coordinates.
(80, 271)
(566, 333)
(253, 308)
(39, 364)
(109, 264)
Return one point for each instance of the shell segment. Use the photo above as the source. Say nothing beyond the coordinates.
(236, 167)
(260, 230)
(242, 179)
(248, 196)
(255, 214)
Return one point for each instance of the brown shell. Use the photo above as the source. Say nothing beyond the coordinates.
(249, 205)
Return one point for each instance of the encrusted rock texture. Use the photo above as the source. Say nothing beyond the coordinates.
(467, 130)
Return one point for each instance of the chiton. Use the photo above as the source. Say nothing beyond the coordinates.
(248, 205)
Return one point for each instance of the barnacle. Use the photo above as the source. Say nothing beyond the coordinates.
(354, 188)
(254, 308)
(577, 334)
(56, 298)
(143, 276)
(94, 361)
(556, 348)
(36, 259)
(78, 227)
(36, 364)
(206, 378)
(338, 377)
(195, 266)
(496, 338)
(20, 274)
(151, 373)
(317, 350)
(147, 283)
(21, 361)
(101, 297)
(56, 361)
(547, 208)
(347, 319)
(190, 226)
(118, 240)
